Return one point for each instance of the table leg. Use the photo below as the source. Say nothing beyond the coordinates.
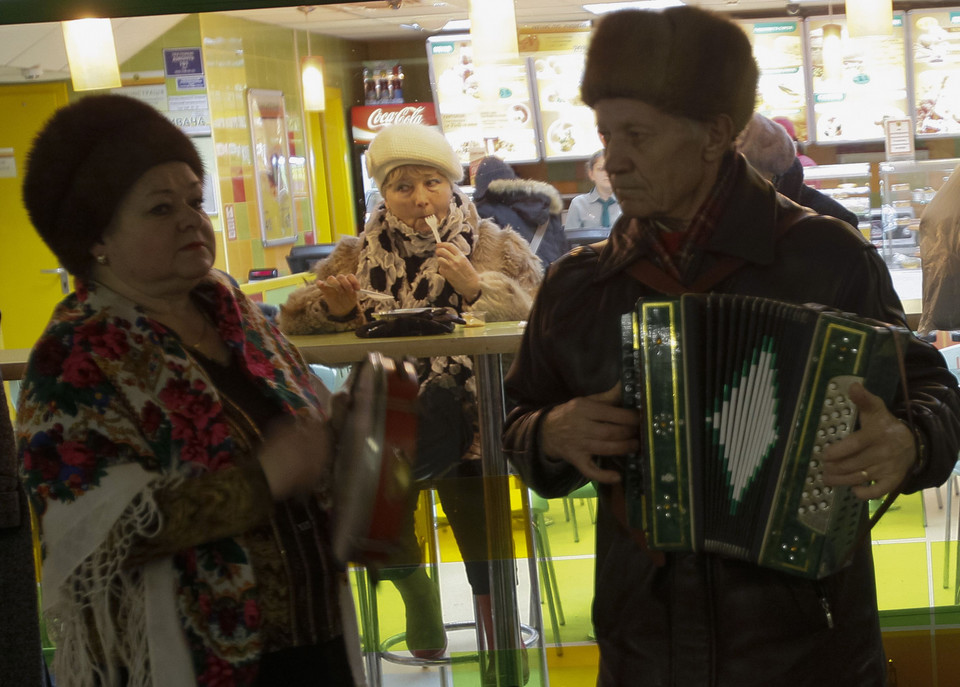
(507, 643)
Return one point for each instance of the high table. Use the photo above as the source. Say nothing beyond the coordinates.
(485, 344)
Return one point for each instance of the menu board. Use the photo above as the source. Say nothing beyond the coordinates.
(936, 65)
(778, 50)
(505, 128)
(857, 82)
(569, 127)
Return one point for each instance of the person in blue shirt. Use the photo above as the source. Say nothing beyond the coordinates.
(598, 208)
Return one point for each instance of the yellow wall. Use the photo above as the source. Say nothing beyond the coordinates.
(240, 55)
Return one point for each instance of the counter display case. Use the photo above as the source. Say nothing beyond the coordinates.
(849, 185)
(906, 187)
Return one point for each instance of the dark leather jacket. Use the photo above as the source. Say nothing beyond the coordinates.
(701, 619)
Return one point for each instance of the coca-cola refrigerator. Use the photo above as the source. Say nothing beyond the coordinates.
(366, 121)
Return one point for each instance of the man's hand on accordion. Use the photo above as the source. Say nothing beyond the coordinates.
(589, 426)
(876, 458)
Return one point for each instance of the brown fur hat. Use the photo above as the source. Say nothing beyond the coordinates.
(85, 160)
(682, 60)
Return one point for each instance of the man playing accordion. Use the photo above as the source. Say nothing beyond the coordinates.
(671, 91)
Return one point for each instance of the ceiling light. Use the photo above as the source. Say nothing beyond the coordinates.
(604, 7)
(869, 18)
(311, 73)
(91, 54)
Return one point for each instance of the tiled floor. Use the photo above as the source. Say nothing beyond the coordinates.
(910, 584)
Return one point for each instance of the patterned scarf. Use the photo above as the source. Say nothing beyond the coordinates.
(646, 233)
(398, 260)
(112, 410)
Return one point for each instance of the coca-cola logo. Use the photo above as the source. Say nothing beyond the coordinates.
(405, 115)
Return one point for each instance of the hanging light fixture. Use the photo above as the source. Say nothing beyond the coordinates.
(832, 49)
(869, 18)
(91, 54)
(493, 36)
(311, 74)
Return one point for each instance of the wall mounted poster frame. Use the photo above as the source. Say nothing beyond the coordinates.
(271, 166)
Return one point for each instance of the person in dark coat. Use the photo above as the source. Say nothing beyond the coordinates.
(698, 218)
(531, 208)
(21, 661)
(769, 148)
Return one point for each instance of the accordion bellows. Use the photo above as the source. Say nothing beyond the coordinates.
(738, 396)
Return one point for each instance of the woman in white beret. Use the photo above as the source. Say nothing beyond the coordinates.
(475, 266)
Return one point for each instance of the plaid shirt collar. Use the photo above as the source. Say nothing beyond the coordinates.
(641, 237)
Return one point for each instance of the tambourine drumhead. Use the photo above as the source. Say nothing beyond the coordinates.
(374, 457)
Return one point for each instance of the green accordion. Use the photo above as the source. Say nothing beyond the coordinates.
(738, 396)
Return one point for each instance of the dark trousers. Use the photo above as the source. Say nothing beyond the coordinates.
(444, 434)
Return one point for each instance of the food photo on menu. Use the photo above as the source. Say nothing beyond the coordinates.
(857, 82)
(473, 127)
(936, 64)
(781, 88)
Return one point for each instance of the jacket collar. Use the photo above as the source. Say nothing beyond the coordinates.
(745, 229)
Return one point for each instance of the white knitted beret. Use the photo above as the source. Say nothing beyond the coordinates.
(411, 144)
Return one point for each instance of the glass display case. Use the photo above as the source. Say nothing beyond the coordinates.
(849, 185)
(906, 187)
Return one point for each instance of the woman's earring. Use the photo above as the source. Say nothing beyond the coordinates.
(101, 259)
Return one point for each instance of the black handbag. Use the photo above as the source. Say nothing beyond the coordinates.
(410, 322)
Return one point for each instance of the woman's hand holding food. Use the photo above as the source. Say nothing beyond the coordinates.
(454, 266)
(340, 293)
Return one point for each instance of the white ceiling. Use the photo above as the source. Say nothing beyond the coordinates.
(39, 47)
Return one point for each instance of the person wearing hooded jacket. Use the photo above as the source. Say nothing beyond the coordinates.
(524, 205)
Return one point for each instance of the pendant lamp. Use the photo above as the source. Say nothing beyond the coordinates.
(91, 54)
(869, 18)
(311, 74)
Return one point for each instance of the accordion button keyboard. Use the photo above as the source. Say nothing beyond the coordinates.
(836, 418)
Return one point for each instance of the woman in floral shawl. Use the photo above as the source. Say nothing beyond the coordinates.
(172, 441)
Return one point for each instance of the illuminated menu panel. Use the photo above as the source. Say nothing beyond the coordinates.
(936, 65)
(857, 82)
(778, 50)
(506, 128)
(569, 127)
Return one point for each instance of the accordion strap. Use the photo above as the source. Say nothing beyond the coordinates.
(646, 272)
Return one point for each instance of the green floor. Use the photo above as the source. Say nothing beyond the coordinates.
(909, 562)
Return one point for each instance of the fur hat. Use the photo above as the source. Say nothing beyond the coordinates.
(682, 60)
(85, 160)
(411, 144)
(767, 146)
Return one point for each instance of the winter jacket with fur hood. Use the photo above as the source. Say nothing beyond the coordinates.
(522, 205)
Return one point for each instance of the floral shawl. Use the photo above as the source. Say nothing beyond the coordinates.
(112, 408)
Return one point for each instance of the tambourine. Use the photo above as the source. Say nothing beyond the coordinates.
(375, 454)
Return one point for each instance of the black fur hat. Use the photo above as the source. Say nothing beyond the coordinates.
(85, 160)
(682, 60)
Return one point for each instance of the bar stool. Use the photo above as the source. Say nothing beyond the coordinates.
(375, 648)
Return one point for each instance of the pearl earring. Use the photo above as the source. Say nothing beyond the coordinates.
(101, 259)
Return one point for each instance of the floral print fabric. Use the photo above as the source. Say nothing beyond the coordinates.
(106, 386)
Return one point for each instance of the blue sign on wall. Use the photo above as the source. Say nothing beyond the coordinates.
(182, 61)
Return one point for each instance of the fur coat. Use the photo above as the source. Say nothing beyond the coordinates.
(392, 258)
(509, 274)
